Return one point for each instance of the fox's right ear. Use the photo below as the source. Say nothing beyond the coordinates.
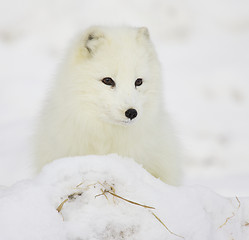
(91, 40)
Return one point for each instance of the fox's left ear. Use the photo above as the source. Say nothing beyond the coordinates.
(92, 39)
(143, 32)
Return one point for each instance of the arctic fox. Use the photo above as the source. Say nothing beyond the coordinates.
(107, 98)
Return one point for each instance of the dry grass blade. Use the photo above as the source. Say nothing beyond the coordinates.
(61, 205)
(166, 226)
(233, 214)
(115, 195)
(79, 184)
(227, 219)
(238, 202)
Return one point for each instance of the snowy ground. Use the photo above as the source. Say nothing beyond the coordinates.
(203, 47)
(93, 197)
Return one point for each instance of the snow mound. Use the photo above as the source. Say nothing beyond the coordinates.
(109, 197)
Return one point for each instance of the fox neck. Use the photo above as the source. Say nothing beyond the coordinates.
(101, 137)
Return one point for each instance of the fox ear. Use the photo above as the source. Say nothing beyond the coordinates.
(92, 39)
(143, 32)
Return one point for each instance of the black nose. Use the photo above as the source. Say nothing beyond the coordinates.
(131, 113)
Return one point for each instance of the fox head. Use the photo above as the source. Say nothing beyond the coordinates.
(114, 73)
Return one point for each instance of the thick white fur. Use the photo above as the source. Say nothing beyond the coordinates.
(84, 116)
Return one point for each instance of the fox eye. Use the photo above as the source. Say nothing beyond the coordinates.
(138, 82)
(108, 81)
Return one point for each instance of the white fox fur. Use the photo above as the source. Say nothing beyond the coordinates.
(84, 116)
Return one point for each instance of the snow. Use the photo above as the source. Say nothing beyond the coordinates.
(203, 48)
(29, 207)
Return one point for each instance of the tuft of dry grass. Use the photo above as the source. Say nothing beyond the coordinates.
(109, 189)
